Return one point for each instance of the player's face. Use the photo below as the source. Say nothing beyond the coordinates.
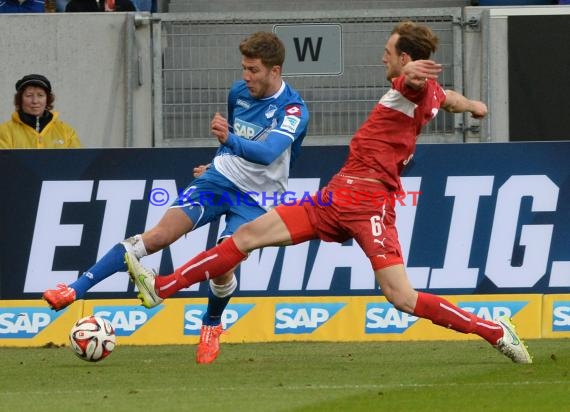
(34, 100)
(393, 61)
(261, 81)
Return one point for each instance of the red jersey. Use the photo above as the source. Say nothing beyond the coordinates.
(386, 141)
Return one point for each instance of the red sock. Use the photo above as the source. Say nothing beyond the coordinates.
(206, 265)
(444, 313)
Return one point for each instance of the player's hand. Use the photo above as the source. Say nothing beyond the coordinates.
(418, 71)
(422, 69)
(199, 170)
(219, 128)
(478, 109)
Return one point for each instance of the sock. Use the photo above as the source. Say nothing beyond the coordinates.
(113, 261)
(218, 298)
(444, 313)
(209, 264)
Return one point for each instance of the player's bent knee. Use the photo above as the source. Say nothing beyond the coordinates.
(245, 238)
(403, 301)
(157, 239)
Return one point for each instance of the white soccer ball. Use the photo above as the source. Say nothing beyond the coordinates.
(92, 338)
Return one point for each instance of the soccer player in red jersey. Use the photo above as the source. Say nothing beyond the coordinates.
(379, 151)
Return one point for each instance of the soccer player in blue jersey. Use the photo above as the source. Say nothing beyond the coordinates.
(262, 135)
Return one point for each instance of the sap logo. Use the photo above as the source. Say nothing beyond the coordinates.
(385, 318)
(193, 316)
(492, 310)
(246, 129)
(561, 316)
(24, 323)
(303, 317)
(126, 319)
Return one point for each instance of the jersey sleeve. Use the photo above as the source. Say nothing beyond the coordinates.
(414, 95)
(291, 125)
(440, 94)
(256, 151)
(293, 120)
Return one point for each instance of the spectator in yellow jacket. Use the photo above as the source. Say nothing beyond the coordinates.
(33, 124)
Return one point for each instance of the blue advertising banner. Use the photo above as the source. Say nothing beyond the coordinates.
(474, 219)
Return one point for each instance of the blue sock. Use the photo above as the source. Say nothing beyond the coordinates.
(112, 262)
(216, 306)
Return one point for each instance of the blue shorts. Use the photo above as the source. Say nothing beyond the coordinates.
(211, 196)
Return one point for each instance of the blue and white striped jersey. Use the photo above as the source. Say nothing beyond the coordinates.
(278, 122)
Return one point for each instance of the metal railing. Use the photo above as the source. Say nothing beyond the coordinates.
(196, 59)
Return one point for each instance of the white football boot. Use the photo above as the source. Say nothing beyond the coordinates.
(510, 344)
(143, 278)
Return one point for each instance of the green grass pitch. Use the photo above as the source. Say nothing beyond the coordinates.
(295, 376)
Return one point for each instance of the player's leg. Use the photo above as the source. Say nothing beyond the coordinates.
(179, 219)
(284, 225)
(397, 289)
(175, 223)
(220, 291)
(172, 225)
(501, 334)
(203, 201)
(221, 288)
(376, 233)
(291, 225)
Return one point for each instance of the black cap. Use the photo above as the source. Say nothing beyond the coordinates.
(34, 80)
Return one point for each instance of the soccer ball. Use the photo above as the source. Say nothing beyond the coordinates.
(92, 338)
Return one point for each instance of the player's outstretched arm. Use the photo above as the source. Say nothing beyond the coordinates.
(457, 103)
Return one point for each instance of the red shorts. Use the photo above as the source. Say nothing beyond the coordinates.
(346, 209)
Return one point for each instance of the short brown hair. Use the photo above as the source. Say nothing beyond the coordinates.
(265, 46)
(18, 98)
(416, 40)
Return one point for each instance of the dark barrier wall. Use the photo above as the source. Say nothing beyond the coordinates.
(491, 218)
(539, 83)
